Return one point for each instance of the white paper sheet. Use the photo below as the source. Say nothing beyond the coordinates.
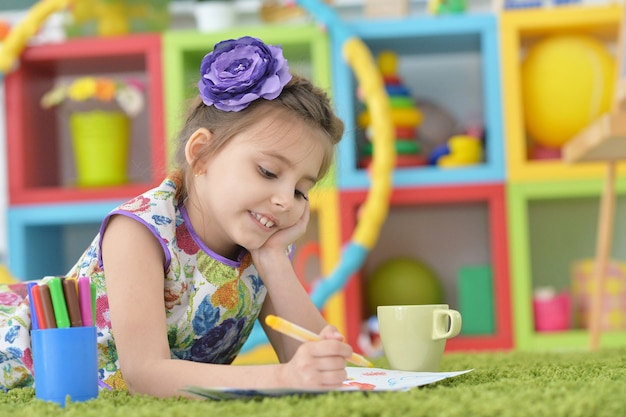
(359, 379)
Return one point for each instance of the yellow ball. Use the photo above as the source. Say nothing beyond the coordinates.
(567, 82)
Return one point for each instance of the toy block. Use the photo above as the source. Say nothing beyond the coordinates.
(475, 288)
(386, 8)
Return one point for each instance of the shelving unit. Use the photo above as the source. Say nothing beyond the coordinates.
(519, 29)
(552, 206)
(468, 48)
(45, 206)
(552, 225)
(452, 61)
(447, 227)
(47, 239)
(39, 138)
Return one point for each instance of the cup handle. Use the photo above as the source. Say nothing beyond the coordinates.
(440, 324)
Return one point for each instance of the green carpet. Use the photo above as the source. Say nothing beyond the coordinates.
(502, 384)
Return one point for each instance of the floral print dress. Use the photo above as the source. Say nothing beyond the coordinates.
(211, 303)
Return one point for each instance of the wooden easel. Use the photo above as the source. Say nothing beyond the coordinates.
(604, 140)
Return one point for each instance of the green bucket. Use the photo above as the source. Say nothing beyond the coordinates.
(101, 142)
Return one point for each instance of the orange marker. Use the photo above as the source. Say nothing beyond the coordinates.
(36, 300)
(300, 333)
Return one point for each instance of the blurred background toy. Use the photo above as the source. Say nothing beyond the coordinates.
(438, 125)
(369, 338)
(378, 9)
(19, 35)
(446, 6)
(117, 17)
(5, 276)
(5, 28)
(401, 281)
(567, 82)
(309, 251)
(551, 310)
(613, 295)
(405, 117)
(278, 11)
(460, 150)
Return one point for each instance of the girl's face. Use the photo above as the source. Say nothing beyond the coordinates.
(256, 185)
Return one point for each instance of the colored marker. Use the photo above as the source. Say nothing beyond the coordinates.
(71, 299)
(48, 310)
(300, 333)
(31, 304)
(84, 300)
(93, 302)
(58, 303)
(39, 314)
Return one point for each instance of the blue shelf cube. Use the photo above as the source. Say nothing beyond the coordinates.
(48, 239)
(439, 43)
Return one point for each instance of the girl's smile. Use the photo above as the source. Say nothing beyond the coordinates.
(264, 221)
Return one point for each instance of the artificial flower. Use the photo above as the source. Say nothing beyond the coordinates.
(239, 71)
(128, 95)
(82, 89)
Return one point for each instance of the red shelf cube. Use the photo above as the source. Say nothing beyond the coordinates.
(37, 138)
(482, 201)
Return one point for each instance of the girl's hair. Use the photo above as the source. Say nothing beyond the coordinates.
(299, 97)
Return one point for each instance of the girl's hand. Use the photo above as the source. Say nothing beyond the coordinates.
(320, 364)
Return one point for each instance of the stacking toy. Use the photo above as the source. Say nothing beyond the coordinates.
(405, 117)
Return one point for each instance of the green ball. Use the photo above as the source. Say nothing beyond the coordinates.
(402, 281)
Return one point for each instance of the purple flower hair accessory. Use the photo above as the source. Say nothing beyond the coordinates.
(239, 71)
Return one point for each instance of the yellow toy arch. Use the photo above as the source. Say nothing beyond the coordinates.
(18, 37)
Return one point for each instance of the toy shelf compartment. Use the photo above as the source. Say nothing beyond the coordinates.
(519, 29)
(48, 239)
(305, 47)
(451, 61)
(551, 226)
(39, 154)
(446, 227)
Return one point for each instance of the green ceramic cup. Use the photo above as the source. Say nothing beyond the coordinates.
(414, 336)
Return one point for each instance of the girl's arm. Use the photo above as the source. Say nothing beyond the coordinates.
(133, 261)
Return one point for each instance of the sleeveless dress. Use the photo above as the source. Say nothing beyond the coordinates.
(211, 303)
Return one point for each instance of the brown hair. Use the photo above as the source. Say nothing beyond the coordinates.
(299, 97)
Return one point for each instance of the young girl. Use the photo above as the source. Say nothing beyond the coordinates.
(183, 271)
